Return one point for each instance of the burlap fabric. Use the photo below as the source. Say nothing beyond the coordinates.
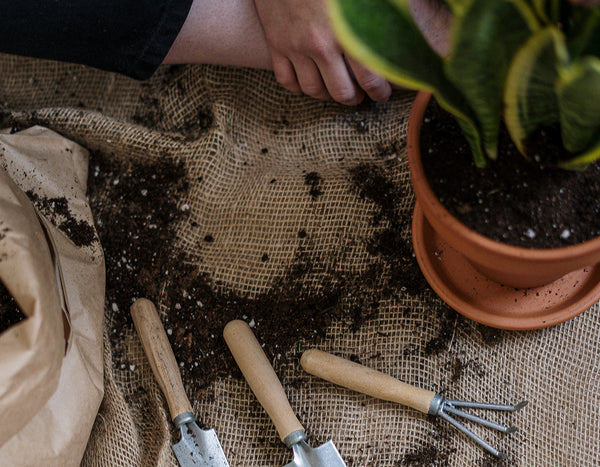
(556, 369)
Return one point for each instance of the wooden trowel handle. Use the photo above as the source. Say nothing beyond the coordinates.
(366, 380)
(160, 355)
(261, 377)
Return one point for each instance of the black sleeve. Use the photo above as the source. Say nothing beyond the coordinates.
(130, 37)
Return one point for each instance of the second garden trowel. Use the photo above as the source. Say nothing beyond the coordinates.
(265, 384)
(199, 448)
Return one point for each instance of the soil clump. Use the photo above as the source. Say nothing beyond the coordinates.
(57, 211)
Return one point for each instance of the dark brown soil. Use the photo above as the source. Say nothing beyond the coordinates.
(313, 180)
(10, 313)
(428, 455)
(57, 211)
(511, 200)
(137, 208)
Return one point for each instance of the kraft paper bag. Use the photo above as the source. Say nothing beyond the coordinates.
(51, 367)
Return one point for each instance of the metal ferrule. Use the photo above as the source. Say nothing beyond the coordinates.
(436, 405)
(183, 418)
(294, 438)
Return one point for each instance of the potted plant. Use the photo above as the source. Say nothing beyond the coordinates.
(523, 67)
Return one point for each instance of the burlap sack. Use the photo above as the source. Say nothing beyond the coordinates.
(51, 367)
(412, 337)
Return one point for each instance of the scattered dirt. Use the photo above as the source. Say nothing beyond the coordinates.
(313, 180)
(427, 455)
(57, 211)
(10, 313)
(137, 208)
(511, 200)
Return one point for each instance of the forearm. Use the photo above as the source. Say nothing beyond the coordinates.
(224, 32)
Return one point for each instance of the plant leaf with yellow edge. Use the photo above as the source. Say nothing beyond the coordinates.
(529, 96)
(486, 36)
(585, 27)
(581, 161)
(382, 35)
(578, 92)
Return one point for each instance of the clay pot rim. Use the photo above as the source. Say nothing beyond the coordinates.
(428, 200)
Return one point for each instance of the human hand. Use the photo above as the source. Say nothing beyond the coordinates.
(307, 58)
(434, 21)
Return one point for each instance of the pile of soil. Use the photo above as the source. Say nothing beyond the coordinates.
(137, 208)
(511, 200)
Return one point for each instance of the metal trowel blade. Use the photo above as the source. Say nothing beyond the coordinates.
(199, 448)
(325, 455)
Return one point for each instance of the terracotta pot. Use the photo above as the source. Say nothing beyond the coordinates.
(504, 264)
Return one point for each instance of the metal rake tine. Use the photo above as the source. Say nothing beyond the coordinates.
(482, 421)
(484, 444)
(487, 406)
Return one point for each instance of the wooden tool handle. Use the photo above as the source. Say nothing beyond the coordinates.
(366, 380)
(160, 355)
(261, 377)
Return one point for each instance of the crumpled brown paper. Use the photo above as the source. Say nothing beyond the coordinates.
(51, 371)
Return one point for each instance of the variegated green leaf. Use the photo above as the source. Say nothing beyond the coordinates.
(581, 161)
(486, 36)
(549, 10)
(578, 92)
(584, 27)
(530, 96)
(382, 35)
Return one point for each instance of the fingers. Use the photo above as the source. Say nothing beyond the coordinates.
(285, 73)
(310, 78)
(339, 81)
(376, 87)
(346, 82)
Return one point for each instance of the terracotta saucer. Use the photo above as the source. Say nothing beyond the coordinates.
(467, 291)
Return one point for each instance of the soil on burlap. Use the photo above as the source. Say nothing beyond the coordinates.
(137, 208)
(511, 200)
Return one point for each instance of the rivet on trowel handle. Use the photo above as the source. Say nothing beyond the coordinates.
(374, 383)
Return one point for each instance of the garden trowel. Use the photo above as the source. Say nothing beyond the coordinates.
(268, 390)
(199, 448)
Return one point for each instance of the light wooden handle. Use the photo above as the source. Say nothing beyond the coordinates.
(160, 355)
(365, 380)
(261, 377)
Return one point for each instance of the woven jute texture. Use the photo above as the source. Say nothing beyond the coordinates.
(556, 369)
